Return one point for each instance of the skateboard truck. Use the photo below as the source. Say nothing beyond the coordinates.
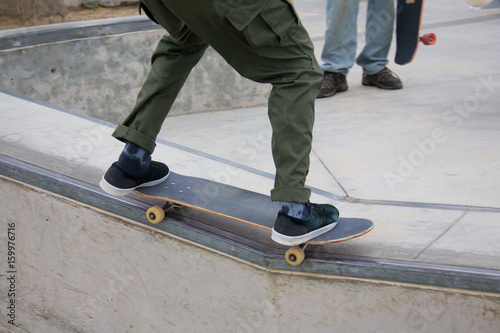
(156, 214)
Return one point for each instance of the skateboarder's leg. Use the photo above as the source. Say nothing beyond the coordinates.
(266, 42)
(175, 56)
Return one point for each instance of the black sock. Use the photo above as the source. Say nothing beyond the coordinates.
(134, 159)
(295, 209)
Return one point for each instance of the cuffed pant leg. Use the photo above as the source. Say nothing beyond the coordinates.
(172, 61)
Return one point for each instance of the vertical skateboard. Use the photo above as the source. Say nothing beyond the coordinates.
(409, 16)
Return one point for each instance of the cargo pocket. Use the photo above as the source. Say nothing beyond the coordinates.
(270, 25)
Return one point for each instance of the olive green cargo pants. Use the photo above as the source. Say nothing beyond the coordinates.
(264, 41)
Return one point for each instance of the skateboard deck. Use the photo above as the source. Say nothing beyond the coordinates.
(251, 208)
(409, 16)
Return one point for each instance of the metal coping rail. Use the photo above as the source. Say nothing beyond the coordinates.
(52, 33)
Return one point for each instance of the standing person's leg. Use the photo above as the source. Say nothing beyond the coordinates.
(373, 57)
(339, 50)
(379, 31)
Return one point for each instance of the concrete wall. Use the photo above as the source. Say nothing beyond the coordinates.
(79, 269)
(101, 76)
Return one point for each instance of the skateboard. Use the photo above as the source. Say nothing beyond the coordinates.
(409, 16)
(239, 205)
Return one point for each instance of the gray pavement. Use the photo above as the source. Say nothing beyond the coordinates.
(423, 162)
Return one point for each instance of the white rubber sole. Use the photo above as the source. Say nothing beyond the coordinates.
(297, 240)
(120, 192)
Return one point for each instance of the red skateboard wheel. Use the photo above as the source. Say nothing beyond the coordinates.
(429, 39)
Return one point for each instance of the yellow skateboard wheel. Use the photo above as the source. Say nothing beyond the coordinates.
(155, 214)
(295, 255)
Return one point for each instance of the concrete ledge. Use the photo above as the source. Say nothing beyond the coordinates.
(97, 68)
(59, 32)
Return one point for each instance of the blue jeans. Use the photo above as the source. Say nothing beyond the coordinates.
(339, 51)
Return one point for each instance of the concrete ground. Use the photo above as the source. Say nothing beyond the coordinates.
(421, 162)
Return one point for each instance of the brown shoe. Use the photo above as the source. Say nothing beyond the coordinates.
(332, 84)
(385, 79)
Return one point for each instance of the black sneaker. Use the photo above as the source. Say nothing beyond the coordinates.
(116, 182)
(385, 79)
(292, 231)
(332, 84)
